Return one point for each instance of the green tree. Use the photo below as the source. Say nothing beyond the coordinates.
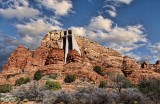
(37, 75)
(70, 78)
(5, 88)
(98, 70)
(53, 76)
(53, 85)
(122, 82)
(150, 88)
(22, 80)
(103, 84)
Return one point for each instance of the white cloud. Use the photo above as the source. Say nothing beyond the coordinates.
(100, 23)
(155, 50)
(111, 6)
(112, 13)
(32, 32)
(19, 12)
(123, 39)
(60, 7)
(19, 9)
(131, 54)
(79, 31)
(36, 27)
(124, 1)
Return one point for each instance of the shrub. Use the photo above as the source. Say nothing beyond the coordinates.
(53, 76)
(103, 84)
(150, 88)
(134, 96)
(9, 76)
(27, 80)
(22, 80)
(70, 78)
(5, 88)
(37, 75)
(52, 85)
(34, 92)
(98, 70)
(95, 96)
(122, 82)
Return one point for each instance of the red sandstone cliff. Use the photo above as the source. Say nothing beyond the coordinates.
(50, 59)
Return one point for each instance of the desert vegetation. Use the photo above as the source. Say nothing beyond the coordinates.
(53, 85)
(98, 70)
(85, 96)
(5, 88)
(70, 78)
(121, 82)
(150, 88)
(119, 90)
(38, 75)
(122, 91)
(103, 84)
(22, 80)
(53, 76)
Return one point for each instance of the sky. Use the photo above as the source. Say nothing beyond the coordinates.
(131, 27)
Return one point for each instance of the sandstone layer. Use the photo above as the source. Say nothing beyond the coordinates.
(49, 58)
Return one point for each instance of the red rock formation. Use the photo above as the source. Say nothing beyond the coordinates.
(22, 60)
(17, 61)
(73, 56)
(130, 63)
(99, 55)
(145, 65)
(55, 56)
(50, 59)
(157, 66)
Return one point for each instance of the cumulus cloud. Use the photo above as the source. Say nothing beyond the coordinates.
(155, 47)
(6, 40)
(155, 50)
(135, 56)
(124, 1)
(112, 13)
(60, 7)
(107, 33)
(80, 31)
(18, 9)
(36, 27)
(19, 12)
(123, 39)
(111, 6)
(32, 32)
(100, 23)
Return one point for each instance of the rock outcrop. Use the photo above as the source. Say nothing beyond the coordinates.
(99, 55)
(55, 56)
(73, 56)
(49, 58)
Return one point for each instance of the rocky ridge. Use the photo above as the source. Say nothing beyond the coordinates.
(50, 59)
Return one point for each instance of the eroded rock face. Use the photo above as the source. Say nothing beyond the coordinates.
(139, 75)
(49, 58)
(129, 63)
(145, 65)
(17, 61)
(158, 65)
(52, 39)
(22, 60)
(99, 55)
(73, 56)
(55, 56)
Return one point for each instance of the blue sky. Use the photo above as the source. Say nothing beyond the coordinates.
(131, 27)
